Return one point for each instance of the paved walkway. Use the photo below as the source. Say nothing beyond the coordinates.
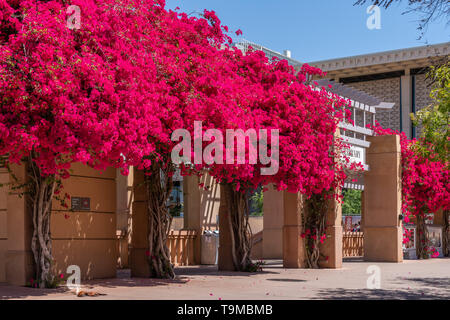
(428, 279)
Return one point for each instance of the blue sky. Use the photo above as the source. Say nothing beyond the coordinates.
(318, 29)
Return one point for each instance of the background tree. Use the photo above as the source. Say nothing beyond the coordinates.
(435, 118)
(351, 202)
(434, 121)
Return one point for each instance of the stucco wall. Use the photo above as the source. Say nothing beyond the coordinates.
(87, 238)
(387, 90)
(3, 227)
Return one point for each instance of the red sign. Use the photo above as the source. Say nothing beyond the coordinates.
(348, 224)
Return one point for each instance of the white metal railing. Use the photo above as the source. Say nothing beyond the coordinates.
(245, 44)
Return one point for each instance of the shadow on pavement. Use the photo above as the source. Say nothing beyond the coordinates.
(422, 288)
(16, 292)
(379, 294)
(212, 270)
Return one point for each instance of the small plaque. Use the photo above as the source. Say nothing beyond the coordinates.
(81, 204)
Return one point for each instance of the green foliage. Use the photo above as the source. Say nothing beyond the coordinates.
(175, 210)
(434, 118)
(257, 201)
(352, 202)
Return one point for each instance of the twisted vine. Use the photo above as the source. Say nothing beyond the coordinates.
(314, 228)
(158, 182)
(41, 191)
(240, 231)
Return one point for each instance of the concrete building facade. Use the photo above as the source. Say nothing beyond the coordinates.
(397, 76)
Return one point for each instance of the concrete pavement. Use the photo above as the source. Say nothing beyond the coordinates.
(429, 279)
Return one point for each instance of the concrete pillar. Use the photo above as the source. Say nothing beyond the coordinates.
(19, 258)
(139, 229)
(273, 224)
(225, 256)
(363, 205)
(382, 227)
(124, 187)
(201, 207)
(4, 180)
(332, 246)
(406, 105)
(192, 219)
(293, 244)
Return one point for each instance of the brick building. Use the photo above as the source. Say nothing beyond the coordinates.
(397, 76)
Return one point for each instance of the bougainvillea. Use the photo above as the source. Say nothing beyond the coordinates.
(425, 189)
(209, 81)
(112, 91)
(89, 95)
(274, 96)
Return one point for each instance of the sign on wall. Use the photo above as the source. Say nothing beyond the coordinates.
(409, 247)
(355, 154)
(435, 238)
(80, 204)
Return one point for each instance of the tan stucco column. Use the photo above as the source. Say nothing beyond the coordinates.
(19, 258)
(139, 229)
(363, 205)
(124, 194)
(201, 207)
(4, 180)
(382, 194)
(273, 224)
(191, 210)
(293, 246)
(332, 246)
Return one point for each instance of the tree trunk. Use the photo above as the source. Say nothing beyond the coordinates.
(159, 186)
(40, 191)
(422, 237)
(241, 233)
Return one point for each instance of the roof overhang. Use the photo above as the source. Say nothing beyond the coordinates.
(381, 62)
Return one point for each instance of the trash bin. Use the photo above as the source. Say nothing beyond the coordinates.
(210, 247)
